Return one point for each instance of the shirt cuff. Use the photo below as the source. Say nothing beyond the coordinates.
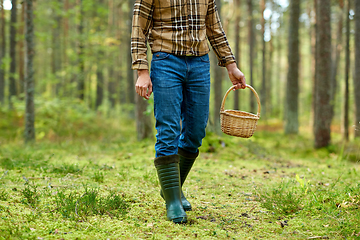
(223, 62)
(139, 65)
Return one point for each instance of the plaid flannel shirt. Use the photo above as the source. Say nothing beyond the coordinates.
(179, 27)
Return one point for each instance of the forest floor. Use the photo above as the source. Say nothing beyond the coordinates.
(270, 186)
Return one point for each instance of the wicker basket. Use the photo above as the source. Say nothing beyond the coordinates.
(239, 123)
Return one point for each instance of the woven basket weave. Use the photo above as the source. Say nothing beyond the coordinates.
(239, 123)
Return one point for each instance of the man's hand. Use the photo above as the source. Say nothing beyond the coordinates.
(143, 84)
(236, 76)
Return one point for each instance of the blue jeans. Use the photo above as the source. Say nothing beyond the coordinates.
(181, 88)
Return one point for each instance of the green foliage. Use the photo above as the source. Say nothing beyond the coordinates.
(98, 177)
(284, 199)
(30, 195)
(84, 187)
(4, 196)
(59, 119)
(67, 168)
(72, 205)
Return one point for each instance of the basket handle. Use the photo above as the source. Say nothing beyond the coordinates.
(252, 89)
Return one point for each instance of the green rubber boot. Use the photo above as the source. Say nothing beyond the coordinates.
(168, 172)
(187, 160)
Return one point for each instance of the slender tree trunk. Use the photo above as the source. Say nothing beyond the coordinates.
(251, 41)
(144, 127)
(100, 68)
(81, 74)
(130, 72)
(66, 88)
(12, 81)
(270, 68)
(336, 59)
(56, 47)
(217, 86)
(357, 69)
(264, 80)
(111, 87)
(322, 95)
(2, 52)
(237, 4)
(21, 51)
(99, 82)
(29, 74)
(315, 53)
(292, 86)
(347, 70)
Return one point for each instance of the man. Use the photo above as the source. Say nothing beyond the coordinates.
(177, 32)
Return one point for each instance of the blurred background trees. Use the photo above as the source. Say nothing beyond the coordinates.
(299, 57)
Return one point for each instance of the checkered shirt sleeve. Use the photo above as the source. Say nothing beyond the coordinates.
(217, 36)
(142, 21)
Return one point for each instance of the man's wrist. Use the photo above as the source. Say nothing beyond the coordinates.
(231, 66)
(143, 71)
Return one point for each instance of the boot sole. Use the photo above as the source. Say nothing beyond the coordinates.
(187, 209)
(179, 220)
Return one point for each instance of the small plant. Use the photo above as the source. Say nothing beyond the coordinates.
(303, 184)
(3, 195)
(282, 199)
(75, 206)
(67, 168)
(98, 177)
(31, 195)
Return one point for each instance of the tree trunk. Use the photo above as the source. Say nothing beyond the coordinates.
(130, 72)
(237, 4)
(314, 54)
(357, 69)
(56, 47)
(270, 68)
(2, 52)
(292, 86)
(29, 74)
(347, 69)
(264, 80)
(322, 95)
(336, 59)
(21, 51)
(251, 40)
(12, 81)
(99, 82)
(217, 86)
(66, 87)
(144, 127)
(81, 74)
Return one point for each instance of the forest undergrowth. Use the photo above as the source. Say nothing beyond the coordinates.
(100, 183)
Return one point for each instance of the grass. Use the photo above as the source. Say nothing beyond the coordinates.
(271, 186)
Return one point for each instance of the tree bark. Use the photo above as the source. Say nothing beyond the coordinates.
(21, 52)
(12, 81)
(56, 46)
(347, 69)
(217, 86)
(322, 92)
(292, 86)
(81, 60)
(336, 59)
(2, 52)
(130, 72)
(264, 85)
(270, 68)
(144, 127)
(29, 74)
(251, 41)
(357, 69)
(237, 4)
